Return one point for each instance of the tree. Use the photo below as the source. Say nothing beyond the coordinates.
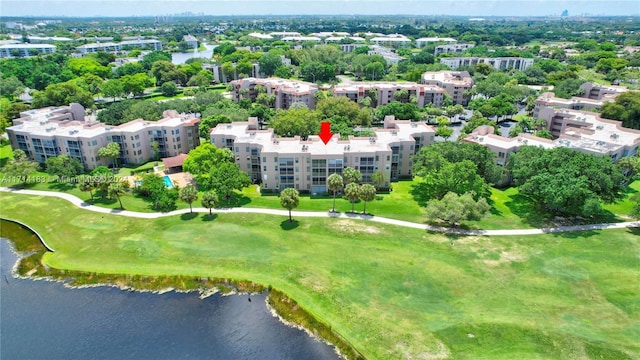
(11, 87)
(302, 122)
(169, 88)
(283, 72)
(352, 192)
(228, 70)
(86, 183)
(625, 108)
(202, 79)
(204, 158)
(566, 181)
(117, 189)
(112, 88)
(62, 94)
(135, 84)
(377, 179)
(157, 55)
(289, 199)
(269, 63)
(63, 166)
(189, 194)
(209, 200)
(444, 131)
(335, 184)
(224, 178)
(453, 208)
(20, 166)
(352, 175)
(430, 158)
(111, 151)
(635, 211)
(367, 193)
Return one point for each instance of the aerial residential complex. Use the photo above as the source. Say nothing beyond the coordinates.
(431, 91)
(53, 131)
(498, 63)
(279, 163)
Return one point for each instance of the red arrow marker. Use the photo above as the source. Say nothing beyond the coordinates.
(325, 132)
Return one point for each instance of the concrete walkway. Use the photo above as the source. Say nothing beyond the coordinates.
(81, 204)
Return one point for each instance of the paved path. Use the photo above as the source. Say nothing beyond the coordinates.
(81, 204)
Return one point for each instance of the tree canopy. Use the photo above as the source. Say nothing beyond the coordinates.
(204, 158)
(625, 108)
(565, 181)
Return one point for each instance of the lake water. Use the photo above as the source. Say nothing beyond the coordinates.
(181, 58)
(45, 320)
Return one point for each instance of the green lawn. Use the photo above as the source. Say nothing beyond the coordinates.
(392, 292)
(509, 209)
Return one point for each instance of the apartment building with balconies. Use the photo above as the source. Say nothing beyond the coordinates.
(424, 94)
(579, 130)
(455, 83)
(498, 63)
(278, 163)
(286, 92)
(52, 131)
(451, 48)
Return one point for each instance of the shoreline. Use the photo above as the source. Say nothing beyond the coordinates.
(224, 287)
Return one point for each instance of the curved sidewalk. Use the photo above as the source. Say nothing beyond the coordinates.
(83, 205)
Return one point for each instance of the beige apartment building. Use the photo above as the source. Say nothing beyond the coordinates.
(279, 163)
(286, 91)
(549, 99)
(455, 83)
(602, 92)
(53, 131)
(425, 94)
(580, 130)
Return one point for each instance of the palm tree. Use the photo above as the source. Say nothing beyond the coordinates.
(189, 194)
(289, 199)
(116, 189)
(210, 200)
(87, 184)
(335, 184)
(367, 193)
(352, 192)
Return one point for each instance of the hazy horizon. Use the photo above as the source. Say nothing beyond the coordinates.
(471, 8)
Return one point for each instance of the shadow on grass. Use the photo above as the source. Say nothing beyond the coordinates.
(188, 216)
(528, 211)
(634, 231)
(209, 217)
(289, 225)
(61, 186)
(419, 193)
(236, 200)
(101, 201)
(576, 234)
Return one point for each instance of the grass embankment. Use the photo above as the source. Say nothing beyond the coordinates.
(391, 292)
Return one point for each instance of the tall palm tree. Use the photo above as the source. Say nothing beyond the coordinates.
(335, 184)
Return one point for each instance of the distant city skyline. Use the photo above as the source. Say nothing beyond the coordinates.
(471, 8)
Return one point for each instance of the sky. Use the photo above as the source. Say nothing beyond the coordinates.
(471, 8)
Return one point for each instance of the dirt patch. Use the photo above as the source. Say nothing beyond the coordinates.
(353, 227)
(507, 257)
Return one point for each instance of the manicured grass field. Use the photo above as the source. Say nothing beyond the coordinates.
(509, 209)
(393, 293)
